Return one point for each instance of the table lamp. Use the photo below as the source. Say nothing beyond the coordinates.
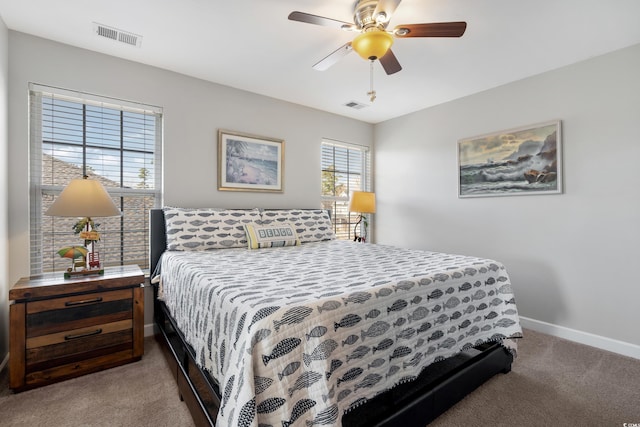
(362, 202)
(85, 198)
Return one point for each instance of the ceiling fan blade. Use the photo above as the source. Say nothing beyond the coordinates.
(333, 57)
(390, 63)
(318, 20)
(436, 29)
(386, 6)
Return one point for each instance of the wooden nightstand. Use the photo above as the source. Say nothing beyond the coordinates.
(63, 328)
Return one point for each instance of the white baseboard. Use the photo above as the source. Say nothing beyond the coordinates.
(615, 346)
(149, 330)
(604, 343)
(586, 338)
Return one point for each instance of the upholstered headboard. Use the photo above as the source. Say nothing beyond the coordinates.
(157, 237)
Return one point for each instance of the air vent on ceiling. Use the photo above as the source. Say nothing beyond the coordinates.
(117, 35)
(355, 105)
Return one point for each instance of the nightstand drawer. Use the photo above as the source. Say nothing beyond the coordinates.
(73, 345)
(79, 311)
(77, 300)
(78, 335)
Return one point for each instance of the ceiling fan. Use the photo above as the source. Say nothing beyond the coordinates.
(371, 18)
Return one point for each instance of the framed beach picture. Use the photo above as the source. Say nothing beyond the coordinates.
(525, 160)
(249, 162)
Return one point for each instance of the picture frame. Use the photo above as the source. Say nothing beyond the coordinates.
(250, 162)
(521, 161)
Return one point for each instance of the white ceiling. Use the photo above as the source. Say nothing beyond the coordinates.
(251, 45)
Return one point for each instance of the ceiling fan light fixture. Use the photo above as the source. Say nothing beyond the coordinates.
(372, 45)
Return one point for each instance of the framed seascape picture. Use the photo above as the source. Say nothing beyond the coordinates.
(249, 162)
(525, 160)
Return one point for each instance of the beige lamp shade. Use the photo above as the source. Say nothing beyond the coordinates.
(363, 202)
(83, 198)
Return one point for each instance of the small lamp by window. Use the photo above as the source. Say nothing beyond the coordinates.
(362, 202)
(85, 198)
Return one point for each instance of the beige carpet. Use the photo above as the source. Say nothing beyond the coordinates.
(553, 383)
(138, 394)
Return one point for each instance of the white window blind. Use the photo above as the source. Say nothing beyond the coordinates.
(116, 142)
(345, 168)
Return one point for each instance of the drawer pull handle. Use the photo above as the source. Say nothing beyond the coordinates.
(86, 301)
(88, 334)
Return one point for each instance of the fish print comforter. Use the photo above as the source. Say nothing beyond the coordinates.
(297, 336)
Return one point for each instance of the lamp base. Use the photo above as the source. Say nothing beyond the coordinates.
(357, 238)
(97, 271)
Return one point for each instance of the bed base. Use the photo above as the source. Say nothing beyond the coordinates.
(195, 386)
(439, 387)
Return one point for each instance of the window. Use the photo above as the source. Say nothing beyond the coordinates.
(345, 168)
(117, 143)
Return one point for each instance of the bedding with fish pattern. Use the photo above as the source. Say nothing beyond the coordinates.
(301, 335)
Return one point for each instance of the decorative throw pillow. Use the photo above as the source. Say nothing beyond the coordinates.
(204, 229)
(271, 236)
(312, 225)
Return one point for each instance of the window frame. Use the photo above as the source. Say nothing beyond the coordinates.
(125, 197)
(344, 223)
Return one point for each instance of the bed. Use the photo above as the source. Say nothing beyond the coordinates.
(308, 330)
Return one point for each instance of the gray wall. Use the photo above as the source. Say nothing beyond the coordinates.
(562, 251)
(4, 176)
(573, 257)
(194, 110)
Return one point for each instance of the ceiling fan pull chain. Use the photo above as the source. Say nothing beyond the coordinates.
(371, 93)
